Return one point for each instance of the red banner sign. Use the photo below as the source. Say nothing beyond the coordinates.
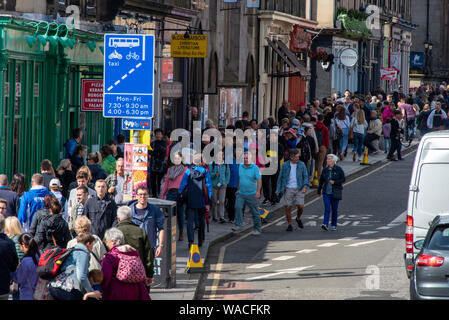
(389, 74)
(92, 95)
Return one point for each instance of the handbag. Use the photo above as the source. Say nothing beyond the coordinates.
(337, 193)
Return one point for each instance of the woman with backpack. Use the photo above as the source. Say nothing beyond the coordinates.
(53, 231)
(123, 271)
(26, 276)
(73, 281)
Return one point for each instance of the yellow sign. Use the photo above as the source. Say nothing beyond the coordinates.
(193, 47)
(194, 257)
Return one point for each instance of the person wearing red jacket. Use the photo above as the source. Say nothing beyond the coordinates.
(322, 134)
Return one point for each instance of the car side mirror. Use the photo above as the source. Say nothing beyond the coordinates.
(419, 244)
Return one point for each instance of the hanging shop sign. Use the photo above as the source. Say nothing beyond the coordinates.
(92, 95)
(388, 74)
(349, 57)
(195, 46)
(299, 39)
(395, 60)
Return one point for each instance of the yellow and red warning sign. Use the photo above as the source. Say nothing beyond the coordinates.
(194, 260)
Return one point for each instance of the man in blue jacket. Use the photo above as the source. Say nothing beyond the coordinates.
(150, 218)
(198, 196)
(32, 201)
(292, 182)
(77, 136)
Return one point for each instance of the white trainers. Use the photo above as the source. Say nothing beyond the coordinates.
(237, 229)
(256, 233)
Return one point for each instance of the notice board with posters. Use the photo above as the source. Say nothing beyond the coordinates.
(136, 166)
(92, 95)
(195, 46)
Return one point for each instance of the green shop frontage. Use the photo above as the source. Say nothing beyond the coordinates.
(42, 64)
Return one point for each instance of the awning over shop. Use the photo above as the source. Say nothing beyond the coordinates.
(296, 68)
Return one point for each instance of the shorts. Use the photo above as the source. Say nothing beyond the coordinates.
(293, 197)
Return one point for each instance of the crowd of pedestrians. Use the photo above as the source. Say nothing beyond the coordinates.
(109, 246)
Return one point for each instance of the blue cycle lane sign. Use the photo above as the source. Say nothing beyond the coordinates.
(128, 76)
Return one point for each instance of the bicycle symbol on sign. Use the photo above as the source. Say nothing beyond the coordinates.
(132, 55)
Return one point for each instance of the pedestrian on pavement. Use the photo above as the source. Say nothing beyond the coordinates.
(73, 283)
(82, 194)
(117, 153)
(150, 218)
(395, 135)
(220, 176)
(118, 183)
(344, 123)
(77, 159)
(231, 188)
(121, 142)
(292, 184)
(11, 197)
(158, 161)
(26, 276)
(409, 113)
(65, 174)
(331, 186)
(170, 187)
(82, 180)
(53, 230)
(82, 225)
(322, 134)
(436, 119)
(3, 207)
(359, 126)
(422, 120)
(113, 288)
(32, 201)
(373, 133)
(94, 163)
(248, 193)
(47, 172)
(137, 238)
(108, 162)
(101, 209)
(77, 136)
(197, 195)
(18, 184)
(41, 213)
(13, 229)
(8, 261)
(55, 187)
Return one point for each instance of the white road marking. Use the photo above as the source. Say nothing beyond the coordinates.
(365, 242)
(306, 251)
(310, 224)
(368, 232)
(283, 258)
(259, 266)
(328, 244)
(347, 239)
(279, 272)
(344, 223)
(280, 223)
(384, 228)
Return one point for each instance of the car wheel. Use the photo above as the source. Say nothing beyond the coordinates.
(413, 295)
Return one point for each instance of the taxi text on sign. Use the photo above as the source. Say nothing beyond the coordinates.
(128, 76)
(193, 47)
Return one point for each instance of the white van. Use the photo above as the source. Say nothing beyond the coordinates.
(428, 191)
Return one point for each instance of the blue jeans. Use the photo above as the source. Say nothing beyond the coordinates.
(172, 195)
(192, 214)
(253, 204)
(387, 144)
(330, 203)
(358, 143)
(344, 140)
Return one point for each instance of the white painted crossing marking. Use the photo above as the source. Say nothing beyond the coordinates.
(306, 251)
(283, 258)
(279, 272)
(344, 223)
(310, 224)
(368, 232)
(384, 228)
(347, 239)
(366, 242)
(280, 223)
(328, 244)
(259, 266)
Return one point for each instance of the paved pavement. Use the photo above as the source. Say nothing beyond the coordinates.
(186, 283)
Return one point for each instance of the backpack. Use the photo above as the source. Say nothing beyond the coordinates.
(130, 269)
(319, 136)
(51, 261)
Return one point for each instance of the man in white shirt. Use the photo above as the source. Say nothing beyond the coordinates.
(292, 182)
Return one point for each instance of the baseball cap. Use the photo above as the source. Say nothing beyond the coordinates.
(55, 183)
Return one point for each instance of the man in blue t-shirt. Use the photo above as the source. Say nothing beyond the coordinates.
(248, 192)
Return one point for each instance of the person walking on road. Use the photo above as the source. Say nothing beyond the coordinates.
(248, 193)
(292, 183)
(331, 186)
(395, 136)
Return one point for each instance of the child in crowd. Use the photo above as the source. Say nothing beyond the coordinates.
(386, 130)
(95, 279)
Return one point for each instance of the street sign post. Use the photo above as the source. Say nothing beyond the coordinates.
(128, 76)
